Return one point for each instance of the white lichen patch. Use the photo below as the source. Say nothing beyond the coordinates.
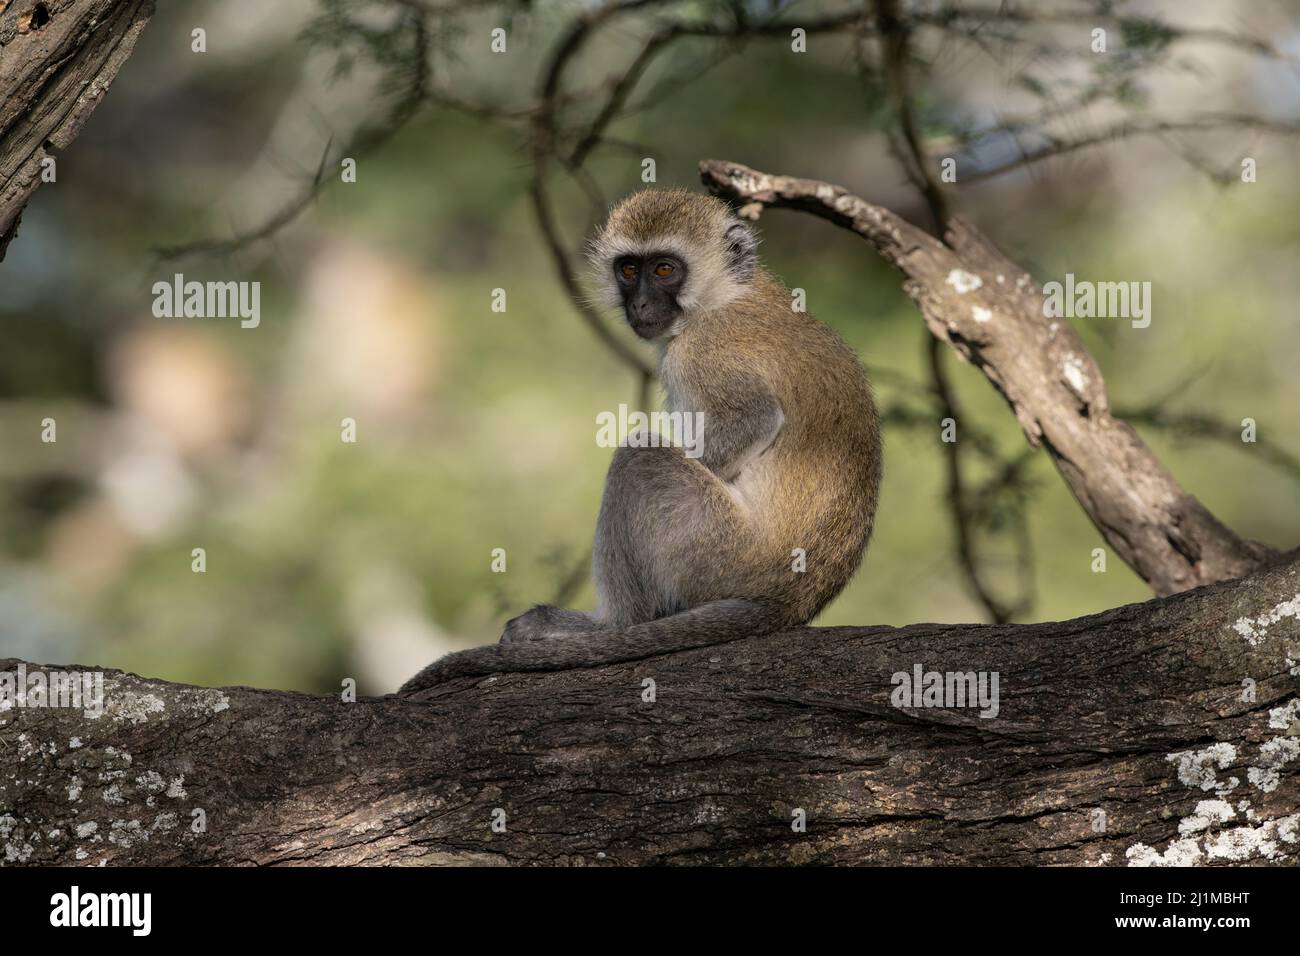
(125, 705)
(86, 829)
(1273, 756)
(963, 281)
(1072, 368)
(1207, 813)
(14, 847)
(1232, 844)
(1239, 844)
(1254, 629)
(1196, 768)
(1281, 718)
(1202, 836)
(1264, 779)
(1186, 852)
(74, 789)
(1288, 828)
(176, 789)
(981, 314)
(1279, 751)
(127, 833)
(74, 743)
(201, 701)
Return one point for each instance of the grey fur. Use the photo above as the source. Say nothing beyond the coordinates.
(742, 250)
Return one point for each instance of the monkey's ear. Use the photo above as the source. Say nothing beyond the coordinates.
(742, 250)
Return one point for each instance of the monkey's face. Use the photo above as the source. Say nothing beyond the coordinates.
(650, 286)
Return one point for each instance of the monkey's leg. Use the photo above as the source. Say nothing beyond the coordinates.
(667, 541)
(659, 515)
(667, 534)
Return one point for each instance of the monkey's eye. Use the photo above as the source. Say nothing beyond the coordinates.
(664, 270)
(628, 270)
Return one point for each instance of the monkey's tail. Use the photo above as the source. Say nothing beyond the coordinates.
(717, 622)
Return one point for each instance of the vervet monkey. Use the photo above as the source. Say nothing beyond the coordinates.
(762, 529)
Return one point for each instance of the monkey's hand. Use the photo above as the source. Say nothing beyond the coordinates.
(738, 434)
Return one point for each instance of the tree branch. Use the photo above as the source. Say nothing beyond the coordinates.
(1111, 734)
(991, 312)
(1130, 128)
(57, 60)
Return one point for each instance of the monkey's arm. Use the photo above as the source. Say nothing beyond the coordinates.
(736, 433)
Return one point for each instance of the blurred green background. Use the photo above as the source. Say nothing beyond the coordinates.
(476, 428)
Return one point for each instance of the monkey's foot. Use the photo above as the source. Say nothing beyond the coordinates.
(544, 622)
(535, 624)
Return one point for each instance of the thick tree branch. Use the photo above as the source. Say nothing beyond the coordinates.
(991, 312)
(57, 60)
(1155, 733)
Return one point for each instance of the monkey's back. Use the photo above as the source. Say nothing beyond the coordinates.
(815, 489)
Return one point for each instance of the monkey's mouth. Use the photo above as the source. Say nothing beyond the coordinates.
(651, 328)
(654, 322)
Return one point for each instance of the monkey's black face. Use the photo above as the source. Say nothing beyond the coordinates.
(650, 286)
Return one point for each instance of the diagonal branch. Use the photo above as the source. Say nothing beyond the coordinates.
(991, 312)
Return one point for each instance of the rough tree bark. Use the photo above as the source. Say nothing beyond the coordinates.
(57, 60)
(1158, 733)
(991, 312)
